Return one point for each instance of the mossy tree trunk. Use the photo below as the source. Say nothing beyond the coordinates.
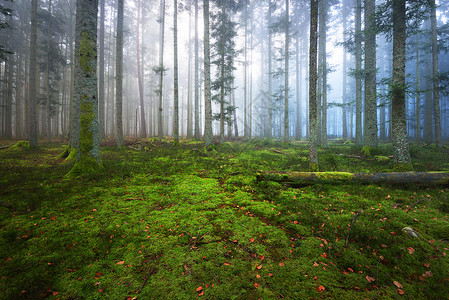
(101, 71)
(313, 125)
(88, 152)
(370, 135)
(399, 123)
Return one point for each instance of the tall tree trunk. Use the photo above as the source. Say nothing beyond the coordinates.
(399, 121)
(287, 42)
(313, 130)
(298, 75)
(222, 71)
(101, 71)
(119, 74)
(197, 82)
(370, 136)
(143, 126)
(88, 158)
(175, 70)
(161, 67)
(32, 131)
(344, 67)
(245, 74)
(435, 75)
(208, 137)
(270, 77)
(189, 81)
(358, 72)
(323, 61)
(418, 97)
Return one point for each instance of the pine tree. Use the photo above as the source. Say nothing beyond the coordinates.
(313, 126)
(88, 152)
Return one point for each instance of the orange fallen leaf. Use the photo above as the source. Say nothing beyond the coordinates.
(320, 288)
(410, 250)
(201, 294)
(315, 264)
(120, 262)
(427, 265)
(261, 257)
(281, 264)
(370, 279)
(198, 289)
(226, 264)
(259, 267)
(269, 274)
(256, 285)
(400, 292)
(397, 284)
(252, 240)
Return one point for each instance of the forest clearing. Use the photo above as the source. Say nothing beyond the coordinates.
(180, 222)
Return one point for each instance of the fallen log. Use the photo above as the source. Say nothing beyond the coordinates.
(306, 178)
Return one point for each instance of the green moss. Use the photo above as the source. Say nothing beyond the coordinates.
(335, 176)
(403, 167)
(21, 145)
(87, 52)
(366, 151)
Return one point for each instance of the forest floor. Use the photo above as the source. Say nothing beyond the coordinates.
(165, 222)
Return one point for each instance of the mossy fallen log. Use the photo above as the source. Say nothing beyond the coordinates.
(307, 178)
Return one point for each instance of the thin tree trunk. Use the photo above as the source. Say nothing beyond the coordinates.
(358, 73)
(207, 83)
(418, 97)
(270, 77)
(370, 136)
(101, 72)
(119, 74)
(323, 60)
(32, 131)
(344, 67)
(143, 127)
(435, 75)
(175, 70)
(287, 42)
(161, 67)
(313, 130)
(197, 83)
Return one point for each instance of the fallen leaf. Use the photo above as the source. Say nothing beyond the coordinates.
(120, 262)
(201, 294)
(281, 264)
(198, 289)
(370, 279)
(261, 257)
(226, 264)
(427, 265)
(269, 274)
(259, 267)
(55, 293)
(256, 285)
(320, 288)
(315, 264)
(410, 250)
(400, 292)
(427, 274)
(397, 284)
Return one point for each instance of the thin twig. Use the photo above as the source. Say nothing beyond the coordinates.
(416, 203)
(146, 279)
(352, 224)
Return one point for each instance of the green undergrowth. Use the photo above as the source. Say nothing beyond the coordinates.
(165, 222)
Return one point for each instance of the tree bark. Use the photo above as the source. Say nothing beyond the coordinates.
(101, 104)
(313, 126)
(435, 75)
(287, 42)
(399, 121)
(88, 154)
(32, 131)
(119, 74)
(370, 136)
(175, 70)
(358, 72)
(197, 83)
(207, 83)
(161, 67)
(143, 126)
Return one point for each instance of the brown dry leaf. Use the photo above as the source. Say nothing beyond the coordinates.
(397, 284)
(410, 250)
(370, 279)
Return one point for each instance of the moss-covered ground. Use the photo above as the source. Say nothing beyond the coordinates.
(165, 222)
